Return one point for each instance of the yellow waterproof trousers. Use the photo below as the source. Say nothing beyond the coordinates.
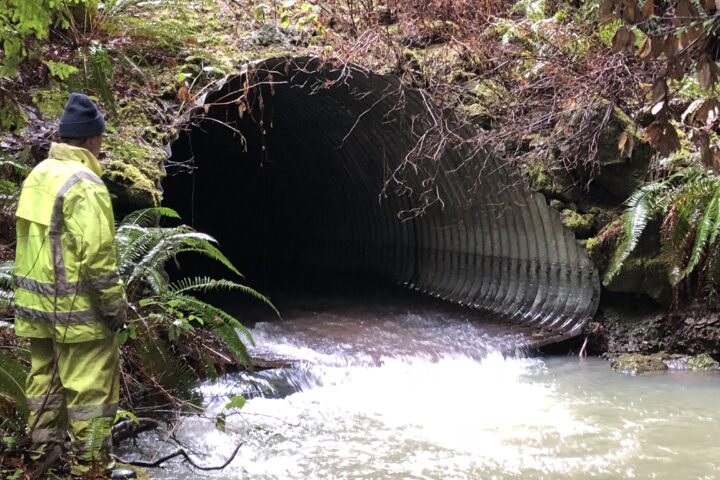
(79, 395)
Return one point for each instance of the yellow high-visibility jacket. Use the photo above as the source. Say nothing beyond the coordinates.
(65, 263)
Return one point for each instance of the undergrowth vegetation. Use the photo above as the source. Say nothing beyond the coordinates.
(173, 336)
(686, 205)
(168, 314)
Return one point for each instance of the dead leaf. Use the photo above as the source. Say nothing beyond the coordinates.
(645, 50)
(690, 36)
(631, 12)
(652, 131)
(622, 140)
(689, 115)
(684, 13)
(620, 39)
(675, 70)
(183, 94)
(708, 112)
(648, 9)
(709, 5)
(626, 144)
(630, 47)
(657, 108)
(657, 44)
(706, 155)
(707, 72)
(670, 46)
(606, 13)
(659, 90)
(663, 137)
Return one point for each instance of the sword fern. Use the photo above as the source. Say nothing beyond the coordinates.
(688, 202)
(143, 251)
(7, 284)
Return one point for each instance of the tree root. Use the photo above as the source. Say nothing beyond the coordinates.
(178, 453)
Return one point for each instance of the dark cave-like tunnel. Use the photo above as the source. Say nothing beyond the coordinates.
(285, 165)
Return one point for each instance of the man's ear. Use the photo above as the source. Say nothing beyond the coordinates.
(93, 144)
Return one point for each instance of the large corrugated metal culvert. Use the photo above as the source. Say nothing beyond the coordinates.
(328, 165)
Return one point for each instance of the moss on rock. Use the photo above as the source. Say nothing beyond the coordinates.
(583, 225)
(133, 170)
(638, 364)
(703, 362)
(485, 93)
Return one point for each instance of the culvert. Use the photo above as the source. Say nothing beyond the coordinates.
(287, 162)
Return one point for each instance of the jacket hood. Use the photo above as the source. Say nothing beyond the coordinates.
(63, 151)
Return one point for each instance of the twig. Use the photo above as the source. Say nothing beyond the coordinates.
(583, 349)
(178, 453)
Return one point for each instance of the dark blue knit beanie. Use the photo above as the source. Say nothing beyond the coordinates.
(81, 118)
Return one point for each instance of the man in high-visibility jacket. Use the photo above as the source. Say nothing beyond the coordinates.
(69, 300)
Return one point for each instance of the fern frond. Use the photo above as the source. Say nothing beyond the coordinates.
(705, 232)
(209, 313)
(147, 216)
(159, 363)
(7, 298)
(231, 339)
(21, 169)
(7, 279)
(7, 284)
(205, 247)
(95, 441)
(202, 284)
(12, 382)
(641, 209)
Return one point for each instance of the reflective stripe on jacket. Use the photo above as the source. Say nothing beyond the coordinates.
(65, 263)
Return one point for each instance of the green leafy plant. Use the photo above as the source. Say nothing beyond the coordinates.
(7, 284)
(12, 383)
(143, 251)
(22, 20)
(688, 203)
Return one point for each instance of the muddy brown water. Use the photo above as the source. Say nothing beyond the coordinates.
(399, 388)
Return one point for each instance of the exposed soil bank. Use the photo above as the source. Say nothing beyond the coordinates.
(635, 325)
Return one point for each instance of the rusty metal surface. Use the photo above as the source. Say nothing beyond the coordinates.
(491, 245)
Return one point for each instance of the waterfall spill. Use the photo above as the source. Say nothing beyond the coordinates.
(392, 388)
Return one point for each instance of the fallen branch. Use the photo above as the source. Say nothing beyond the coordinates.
(131, 428)
(178, 453)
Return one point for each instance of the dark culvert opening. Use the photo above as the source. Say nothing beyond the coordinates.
(285, 165)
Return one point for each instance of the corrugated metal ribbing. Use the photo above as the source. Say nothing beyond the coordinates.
(493, 246)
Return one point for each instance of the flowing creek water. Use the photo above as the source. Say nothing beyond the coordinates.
(402, 388)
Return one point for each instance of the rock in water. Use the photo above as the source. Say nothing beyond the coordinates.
(637, 364)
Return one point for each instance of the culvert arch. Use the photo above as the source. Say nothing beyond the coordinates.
(288, 161)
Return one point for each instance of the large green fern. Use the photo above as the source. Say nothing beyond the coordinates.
(642, 207)
(143, 251)
(688, 202)
(12, 382)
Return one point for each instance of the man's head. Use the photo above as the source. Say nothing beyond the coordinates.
(82, 124)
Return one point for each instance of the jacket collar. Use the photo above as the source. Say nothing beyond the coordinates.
(64, 152)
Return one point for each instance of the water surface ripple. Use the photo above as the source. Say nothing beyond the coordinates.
(418, 392)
